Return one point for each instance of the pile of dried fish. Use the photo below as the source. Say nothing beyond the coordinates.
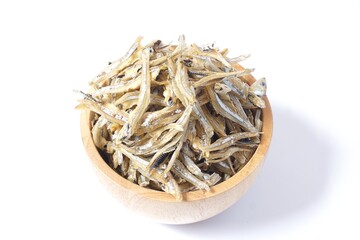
(175, 117)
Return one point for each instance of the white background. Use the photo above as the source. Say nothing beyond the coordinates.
(309, 51)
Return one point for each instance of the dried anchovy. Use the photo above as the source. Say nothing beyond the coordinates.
(175, 118)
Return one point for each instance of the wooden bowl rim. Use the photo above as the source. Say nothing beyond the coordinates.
(197, 195)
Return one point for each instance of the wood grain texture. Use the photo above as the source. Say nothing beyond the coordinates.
(197, 205)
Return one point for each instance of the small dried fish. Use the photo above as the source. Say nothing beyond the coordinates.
(99, 133)
(225, 111)
(216, 124)
(118, 65)
(175, 118)
(238, 88)
(228, 141)
(239, 58)
(259, 87)
(180, 170)
(216, 76)
(144, 99)
(223, 155)
(190, 165)
(107, 110)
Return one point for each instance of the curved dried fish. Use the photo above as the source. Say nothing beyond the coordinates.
(227, 141)
(115, 67)
(144, 99)
(180, 170)
(224, 110)
(220, 75)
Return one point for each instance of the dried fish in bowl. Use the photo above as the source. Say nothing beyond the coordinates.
(175, 118)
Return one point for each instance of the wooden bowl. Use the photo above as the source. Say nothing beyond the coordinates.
(197, 205)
